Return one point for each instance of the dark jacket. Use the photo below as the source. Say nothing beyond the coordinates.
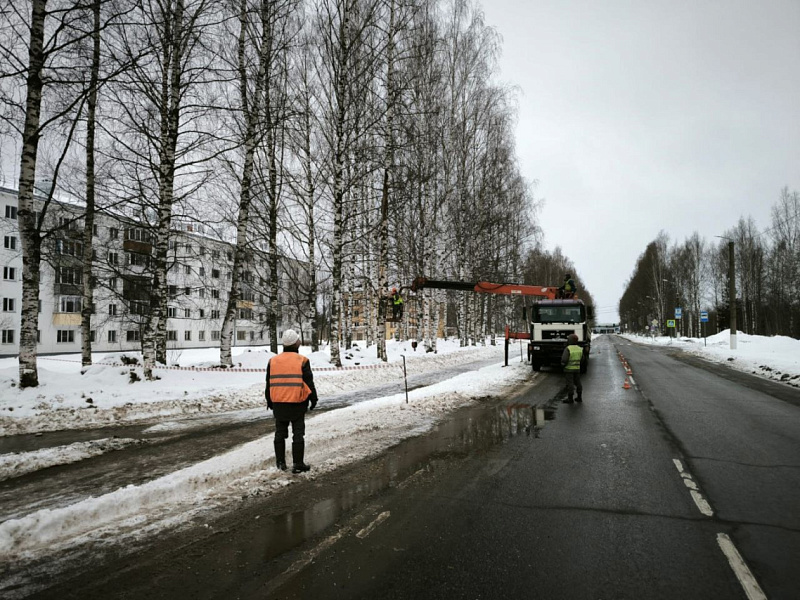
(308, 379)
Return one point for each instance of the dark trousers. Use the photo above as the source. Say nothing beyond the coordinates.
(295, 414)
(573, 382)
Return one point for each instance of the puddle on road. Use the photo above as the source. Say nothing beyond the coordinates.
(473, 430)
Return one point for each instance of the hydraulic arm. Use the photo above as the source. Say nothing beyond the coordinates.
(486, 287)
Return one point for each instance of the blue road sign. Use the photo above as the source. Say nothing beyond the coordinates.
(703, 316)
(678, 312)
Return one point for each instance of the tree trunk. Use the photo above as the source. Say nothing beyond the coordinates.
(29, 231)
(88, 225)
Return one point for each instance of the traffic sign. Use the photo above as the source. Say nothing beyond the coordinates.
(678, 312)
(671, 323)
(703, 316)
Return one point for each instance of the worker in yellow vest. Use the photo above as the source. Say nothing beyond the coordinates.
(290, 392)
(397, 305)
(571, 361)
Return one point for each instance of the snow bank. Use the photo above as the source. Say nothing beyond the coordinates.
(21, 463)
(775, 357)
(333, 439)
(103, 395)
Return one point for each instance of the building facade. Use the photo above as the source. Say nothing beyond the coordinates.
(198, 280)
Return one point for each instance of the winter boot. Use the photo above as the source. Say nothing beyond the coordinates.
(579, 399)
(298, 450)
(280, 455)
(568, 400)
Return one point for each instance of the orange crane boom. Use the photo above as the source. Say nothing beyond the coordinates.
(486, 287)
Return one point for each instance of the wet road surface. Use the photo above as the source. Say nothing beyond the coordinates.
(529, 498)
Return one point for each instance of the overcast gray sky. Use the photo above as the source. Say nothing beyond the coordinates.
(642, 115)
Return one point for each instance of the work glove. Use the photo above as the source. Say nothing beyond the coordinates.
(269, 404)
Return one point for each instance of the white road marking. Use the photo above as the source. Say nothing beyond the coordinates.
(630, 378)
(370, 528)
(740, 568)
(702, 504)
(303, 562)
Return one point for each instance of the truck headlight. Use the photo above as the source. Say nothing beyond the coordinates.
(536, 348)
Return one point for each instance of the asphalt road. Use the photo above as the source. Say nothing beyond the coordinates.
(631, 494)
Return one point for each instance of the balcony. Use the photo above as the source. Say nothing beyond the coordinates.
(137, 247)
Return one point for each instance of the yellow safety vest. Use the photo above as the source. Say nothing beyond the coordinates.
(575, 357)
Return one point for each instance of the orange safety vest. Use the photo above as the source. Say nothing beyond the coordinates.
(286, 378)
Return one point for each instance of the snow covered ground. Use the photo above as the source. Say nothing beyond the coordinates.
(334, 438)
(103, 395)
(776, 357)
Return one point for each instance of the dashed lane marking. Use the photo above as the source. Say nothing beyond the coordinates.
(701, 503)
(740, 568)
(371, 527)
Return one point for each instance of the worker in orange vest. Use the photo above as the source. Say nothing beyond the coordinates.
(290, 392)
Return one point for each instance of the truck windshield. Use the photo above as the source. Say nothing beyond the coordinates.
(558, 314)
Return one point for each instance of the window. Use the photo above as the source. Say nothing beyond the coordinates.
(215, 293)
(202, 313)
(202, 250)
(113, 233)
(187, 269)
(201, 336)
(215, 273)
(9, 273)
(69, 275)
(215, 336)
(11, 213)
(172, 290)
(112, 283)
(187, 291)
(172, 312)
(132, 335)
(201, 292)
(215, 254)
(69, 304)
(113, 258)
(228, 275)
(112, 310)
(201, 271)
(215, 314)
(187, 312)
(9, 305)
(137, 260)
(187, 336)
(94, 233)
(10, 242)
(172, 335)
(137, 234)
(137, 307)
(245, 313)
(65, 336)
(230, 255)
(93, 332)
(8, 334)
(112, 337)
(241, 335)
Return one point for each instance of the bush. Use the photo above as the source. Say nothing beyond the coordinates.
(129, 360)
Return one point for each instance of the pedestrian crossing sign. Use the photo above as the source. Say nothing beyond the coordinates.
(671, 323)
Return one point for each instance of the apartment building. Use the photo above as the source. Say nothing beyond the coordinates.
(198, 280)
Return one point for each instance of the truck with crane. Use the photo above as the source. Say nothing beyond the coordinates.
(551, 317)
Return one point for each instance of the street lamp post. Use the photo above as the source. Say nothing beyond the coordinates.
(731, 290)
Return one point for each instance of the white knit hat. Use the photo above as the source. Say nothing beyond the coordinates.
(290, 338)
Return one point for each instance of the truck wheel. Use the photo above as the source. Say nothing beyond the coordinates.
(536, 365)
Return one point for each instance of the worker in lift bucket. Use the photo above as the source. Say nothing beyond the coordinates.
(397, 305)
(568, 288)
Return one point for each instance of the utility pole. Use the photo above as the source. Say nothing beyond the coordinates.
(732, 292)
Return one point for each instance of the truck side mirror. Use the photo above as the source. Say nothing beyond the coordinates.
(590, 312)
(524, 313)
